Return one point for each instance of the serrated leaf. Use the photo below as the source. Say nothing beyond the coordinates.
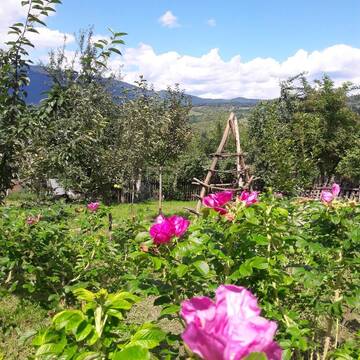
(133, 353)
(83, 294)
(148, 336)
(169, 310)
(202, 267)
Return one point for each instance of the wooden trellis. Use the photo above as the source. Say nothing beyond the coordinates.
(242, 178)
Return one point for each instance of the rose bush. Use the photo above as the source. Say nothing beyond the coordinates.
(299, 257)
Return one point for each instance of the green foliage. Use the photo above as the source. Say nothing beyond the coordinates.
(14, 116)
(299, 257)
(308, 135)
(97, 331)
(91, 141)
(349, 165)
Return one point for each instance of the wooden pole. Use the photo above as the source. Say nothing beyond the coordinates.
(160, 190)
(238, 151)
(213, 164)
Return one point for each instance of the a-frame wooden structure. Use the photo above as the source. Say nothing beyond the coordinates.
(242, 178)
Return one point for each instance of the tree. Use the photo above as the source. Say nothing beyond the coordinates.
(302, 137)
(14, 63)
(91, 141)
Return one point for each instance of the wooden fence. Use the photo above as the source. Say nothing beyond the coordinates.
(188, 191)
(346, 193)
(150, 191)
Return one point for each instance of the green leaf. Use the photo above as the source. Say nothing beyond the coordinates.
(260, 239)
(142, 236)
(148, 336)
(256, 356)
(115, 50)
(169, 310)
(83, 331)
(133, 353)
(83, 294)
(115, 313)
(202, 267)
(122, 300)
(245, 269)
(181, 270)
(69, 352)
(63, 318)
(52, 348)
(93, 338)
(88, 355)
(259, 262)
(118, 42)
(45, 336)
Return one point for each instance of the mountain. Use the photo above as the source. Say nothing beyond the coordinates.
(40, 83)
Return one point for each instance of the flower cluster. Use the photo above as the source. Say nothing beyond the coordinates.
(93, 206)
(230, 328)
(165, 229)
(328, 196)
(217, 201)
(249, 198)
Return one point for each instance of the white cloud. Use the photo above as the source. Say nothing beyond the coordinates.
(48, 38)
(168, 19)
(211, 22)
(11, 11)
(211, 76)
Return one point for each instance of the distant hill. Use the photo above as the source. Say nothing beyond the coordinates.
(40, 83)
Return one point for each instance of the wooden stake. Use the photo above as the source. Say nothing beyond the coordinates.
(213, 164)
(243, 179)
(160, 190)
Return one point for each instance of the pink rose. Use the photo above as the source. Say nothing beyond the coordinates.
(93, 206)
(328, 196)
(217, 201)
(230, 328)
(179, 224)
(164, 229)
(249, 198)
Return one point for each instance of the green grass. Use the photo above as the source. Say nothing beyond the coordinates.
(149, 209)
(18, 320)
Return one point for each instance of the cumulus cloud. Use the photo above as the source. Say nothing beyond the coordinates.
(211, 22)
(168, 19)
(10, 11)
(48, 38)
(211, 76)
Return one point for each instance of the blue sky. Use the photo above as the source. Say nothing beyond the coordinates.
(214, 48)
(251, 28)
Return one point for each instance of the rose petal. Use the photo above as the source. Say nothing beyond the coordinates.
(180, 224)
(210, 201)
(202, 343)
(198, 309)
(162, 233)
(220, 210)
(223, 197)
(326, 196)
(236, 301)
(244, 195)
(335, 189)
